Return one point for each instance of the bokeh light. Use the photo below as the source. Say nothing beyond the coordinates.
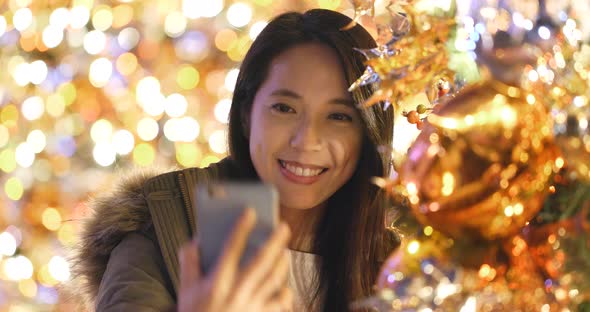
(218, 141)
(100, 72)
(7, 244)
(147, 129)
(201, 8)
(94, 42)
(22, 19)
(59, 268)
(221, 111)
(239, 14)
(51, 219)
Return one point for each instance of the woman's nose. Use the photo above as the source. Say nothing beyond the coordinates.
(306, 137)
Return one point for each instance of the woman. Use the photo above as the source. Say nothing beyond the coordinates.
(294, 124)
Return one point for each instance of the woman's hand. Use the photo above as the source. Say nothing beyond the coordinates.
(260, 286)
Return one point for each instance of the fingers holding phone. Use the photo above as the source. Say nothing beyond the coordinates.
(260, 286)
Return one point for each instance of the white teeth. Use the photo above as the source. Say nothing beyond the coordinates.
(303, 172)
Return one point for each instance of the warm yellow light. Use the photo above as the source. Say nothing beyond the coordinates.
(25, 156)
(100, 72)
(55, 105)
(103, 18)
(239, 14)
(123, 142)
(221, 110)
(188, 154)
(95, 42)
(27, 287)
(67, 234)
(126, 63)
(413, 247)
(175, 24)
(175, 105)
(33, 108)
(559, 162)
(7, 244)
(51, 219)
(207, 160)
(218, 142)
(101, 131)
(509, 211)
(147, 129)
(104, 153)
(144, 154)
(13, 188)
(448, 184)
(59, 268)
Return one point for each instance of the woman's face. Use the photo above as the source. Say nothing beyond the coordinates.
(305, 134)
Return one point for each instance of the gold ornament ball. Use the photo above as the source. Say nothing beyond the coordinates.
(481, 166)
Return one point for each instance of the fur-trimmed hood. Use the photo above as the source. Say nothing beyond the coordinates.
(112, 215)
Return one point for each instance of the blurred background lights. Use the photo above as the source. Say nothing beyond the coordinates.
(201, 8)
(13, 188)
(2, 25)
(51, 219)
(146, 89)
(123, 142)
(144, 154)
(22, 19)
(154, 105)
(175, 24)
(36, 140)
(27, 287)
(230, 79)
(128, 38)
(221, 110)
(38, 72)
(175, 105)
(185, 129)
(126, 63)
(59, 18)
(101, 131)
(218, 141)
(52, 36)
(256, 28)
(59, 268)
(100, 72)
(187, 77)
(33, 108)
(104, 154)
(24, 155)
(147, 129)
(18, 268)
(188, 154)
(22, 74)
(7, 244)
(4, 135)
(102, 19)
(94, 42)
(239, 14)
(79, 16)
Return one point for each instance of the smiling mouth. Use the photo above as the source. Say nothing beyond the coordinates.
(302, 171)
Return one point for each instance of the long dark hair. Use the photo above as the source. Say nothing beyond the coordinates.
(351, 237)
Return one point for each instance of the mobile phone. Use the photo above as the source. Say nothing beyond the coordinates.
(217, 209)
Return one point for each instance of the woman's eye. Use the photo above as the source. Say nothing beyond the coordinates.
(340, 117)
(282, 108)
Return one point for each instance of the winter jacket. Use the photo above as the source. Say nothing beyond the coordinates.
(127, 256)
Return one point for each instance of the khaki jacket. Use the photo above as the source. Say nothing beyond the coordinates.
(127, 256)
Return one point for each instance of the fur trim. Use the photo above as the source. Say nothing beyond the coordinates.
(112, 216)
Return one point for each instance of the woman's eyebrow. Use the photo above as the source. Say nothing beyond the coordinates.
(294, 95)
(286, 93)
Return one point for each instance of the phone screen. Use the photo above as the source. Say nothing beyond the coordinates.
(217, 209)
